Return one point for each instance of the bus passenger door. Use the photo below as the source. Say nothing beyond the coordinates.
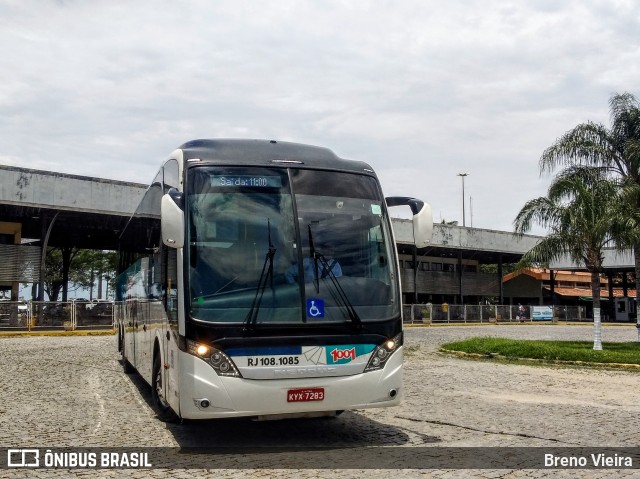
(128, 323)
(170, 335)
(144, 338)
(151, 318)
(137, 319)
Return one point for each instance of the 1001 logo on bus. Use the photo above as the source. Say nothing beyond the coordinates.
(348, 354)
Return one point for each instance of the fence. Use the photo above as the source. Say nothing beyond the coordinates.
(69, 315)
(77, 315)
(486, 313)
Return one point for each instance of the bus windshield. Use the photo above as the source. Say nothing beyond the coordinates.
(270, 246)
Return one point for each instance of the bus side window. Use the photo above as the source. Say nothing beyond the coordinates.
(171, 179)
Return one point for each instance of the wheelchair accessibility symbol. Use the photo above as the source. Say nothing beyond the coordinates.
(315, 308)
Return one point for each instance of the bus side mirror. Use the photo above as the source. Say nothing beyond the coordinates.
(172, 219)
(422, 218)
(423, 226)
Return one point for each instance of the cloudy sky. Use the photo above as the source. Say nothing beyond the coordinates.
(420, 89)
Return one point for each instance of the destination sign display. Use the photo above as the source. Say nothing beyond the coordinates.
(246, 181)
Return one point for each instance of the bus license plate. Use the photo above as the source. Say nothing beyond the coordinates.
(307, 394)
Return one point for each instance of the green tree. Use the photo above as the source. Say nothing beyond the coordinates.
(616, 151)
(85, 268)
(54, 274)
(580, 212)
(94, 266)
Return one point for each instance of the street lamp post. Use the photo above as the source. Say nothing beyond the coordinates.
(462, 175)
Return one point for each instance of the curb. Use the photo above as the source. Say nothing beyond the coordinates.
(529, 323)
(462, 354)
(24, 334)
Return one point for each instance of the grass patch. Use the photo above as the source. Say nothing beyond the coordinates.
(618, 353)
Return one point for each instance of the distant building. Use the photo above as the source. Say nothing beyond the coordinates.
(537, 286)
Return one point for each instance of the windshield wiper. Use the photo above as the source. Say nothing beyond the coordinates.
(265, 275)
(341, 296)
(314, 256)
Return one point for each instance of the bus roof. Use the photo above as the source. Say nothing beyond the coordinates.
(269, 152)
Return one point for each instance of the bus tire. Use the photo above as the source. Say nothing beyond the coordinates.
(126, 366)
(162, 408)
(119, 340)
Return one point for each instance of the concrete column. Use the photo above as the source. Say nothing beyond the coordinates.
(500, 285)
(415, 275)
(44, 242)
(460, 277)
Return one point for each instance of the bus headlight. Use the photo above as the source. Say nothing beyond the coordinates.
(382, 353)
(219, 361)
(202, 350)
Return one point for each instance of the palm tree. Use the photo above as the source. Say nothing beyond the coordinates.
(616, 151)
(580, 212)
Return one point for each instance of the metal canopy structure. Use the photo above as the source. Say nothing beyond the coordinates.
(91, 212)
(483, 257)
(486, 246)
(71, 229)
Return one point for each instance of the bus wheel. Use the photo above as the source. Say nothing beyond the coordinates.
(126, 365)
(163, 410)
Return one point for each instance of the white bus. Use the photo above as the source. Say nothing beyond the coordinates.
(260, 278)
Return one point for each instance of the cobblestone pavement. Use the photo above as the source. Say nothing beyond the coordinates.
(71, 392)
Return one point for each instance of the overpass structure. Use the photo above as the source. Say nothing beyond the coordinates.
(91, 211)
(62, 210)
(56, 209)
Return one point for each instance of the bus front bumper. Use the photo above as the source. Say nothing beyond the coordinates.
(206, 395)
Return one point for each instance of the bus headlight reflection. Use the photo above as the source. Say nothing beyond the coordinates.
(382, 353)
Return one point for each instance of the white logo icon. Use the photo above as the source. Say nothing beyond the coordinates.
(23, 458)
(313, 310)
